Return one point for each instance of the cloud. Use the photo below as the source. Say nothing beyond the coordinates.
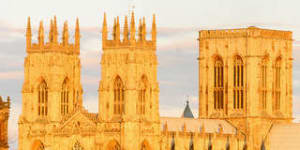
(11, 75)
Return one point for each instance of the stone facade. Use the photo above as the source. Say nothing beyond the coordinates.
(53, 117)
(4, 115)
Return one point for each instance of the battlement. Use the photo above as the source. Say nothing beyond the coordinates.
(53, 45)
(245, 32)
(129, 35)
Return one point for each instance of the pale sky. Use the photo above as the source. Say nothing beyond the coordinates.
(178, 22)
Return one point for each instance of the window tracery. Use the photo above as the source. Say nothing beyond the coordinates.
(277, 83)
(119, 107)
(218, 84)
(42, 99)
(141, 104)
(238, 83)
(64, 98)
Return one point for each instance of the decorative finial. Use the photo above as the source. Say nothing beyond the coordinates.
(77, 34)
(104, 29)
(55, 32)
(125, 32)
(114, 29)
(140, 30)
(41, 34)
(118, 29)
(132, 28)
(51, 32)
(154, 29)
(65, 37)
(28, 33)
(144, 29)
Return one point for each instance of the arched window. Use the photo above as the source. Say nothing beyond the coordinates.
(277, 83)
(42, 99)
(64, 98)
(263, 86)
(118, 96)
(238, 83)
(77, 146)
(141, 104)
(41, 147)
(173, 143)
(191, 146)
(209, 143)
(218, 84)
(228, 144)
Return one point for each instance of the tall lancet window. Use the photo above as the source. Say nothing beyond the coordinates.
(191, 146)
(64, 98)
(277, 83)
(141, 104)
(118, 96)
(173, 143)
(263, 83)
(42, 99)
(218, 84)
(238, 83)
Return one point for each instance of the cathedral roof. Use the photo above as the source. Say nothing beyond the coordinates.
(197, 125)
(187, 113)
(285, 136)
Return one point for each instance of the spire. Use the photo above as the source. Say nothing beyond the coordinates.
(51, 32)
(28, 33)
(104, 28)
(118, 30)
(154, 29)
(55, 32)
(125, 32)
(132, 28)
(187, 113)
(144, 29)
(65, 36)
(41, 34)
(77, 34)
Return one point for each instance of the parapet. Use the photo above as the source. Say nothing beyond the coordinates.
(53, 45)
(245, 32)
(129, 35)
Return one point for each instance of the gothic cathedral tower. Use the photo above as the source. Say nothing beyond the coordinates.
(245, 77)
(128, 90)
(52, 87)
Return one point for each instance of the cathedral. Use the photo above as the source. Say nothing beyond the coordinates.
(245, 92)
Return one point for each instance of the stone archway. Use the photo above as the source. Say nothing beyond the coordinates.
(145, 145)
(113, 145)
(37, 145)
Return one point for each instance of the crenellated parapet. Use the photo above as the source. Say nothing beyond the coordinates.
(245, 32)
(132, 37)
(53, 44)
